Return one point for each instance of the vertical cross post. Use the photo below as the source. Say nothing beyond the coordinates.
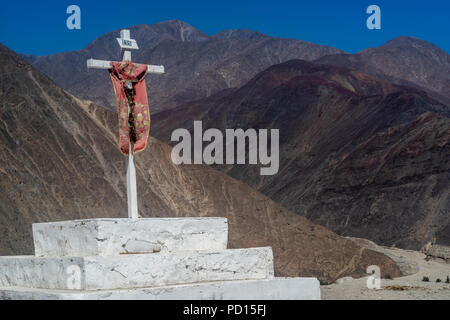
(131, 187)
(131, 168)
(125, 42)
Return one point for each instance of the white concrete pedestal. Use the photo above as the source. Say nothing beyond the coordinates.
(107, 237)
(170, 258)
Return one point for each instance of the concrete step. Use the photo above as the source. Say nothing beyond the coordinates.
(116, 236)
(268, 289)
(135, 270)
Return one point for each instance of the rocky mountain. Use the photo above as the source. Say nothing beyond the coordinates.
(403, 60)
(60, 161)
(197, 65)
(358, 155)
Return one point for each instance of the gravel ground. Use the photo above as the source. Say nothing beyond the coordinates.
(409, 287)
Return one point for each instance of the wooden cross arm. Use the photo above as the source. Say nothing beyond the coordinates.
(103, 64)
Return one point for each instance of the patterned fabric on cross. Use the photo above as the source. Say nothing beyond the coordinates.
(134, 126)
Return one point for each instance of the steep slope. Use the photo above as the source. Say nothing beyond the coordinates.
(197, 65)
(358, 155)
(60, 161)
(403, 60)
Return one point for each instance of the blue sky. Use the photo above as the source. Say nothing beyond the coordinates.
(39, 27)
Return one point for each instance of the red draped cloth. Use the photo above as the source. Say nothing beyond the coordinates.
(134, 126)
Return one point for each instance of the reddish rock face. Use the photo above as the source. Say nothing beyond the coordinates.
(60, 161)
(358, 155)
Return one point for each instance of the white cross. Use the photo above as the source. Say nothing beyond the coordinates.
(126, 43)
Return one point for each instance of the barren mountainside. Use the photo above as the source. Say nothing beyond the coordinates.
(59, 161)
(403, 60)
(358, 155)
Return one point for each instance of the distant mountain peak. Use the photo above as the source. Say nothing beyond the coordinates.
(406, 41)
(181, 30)
(240, 34)
(177, 24)
(403, 60)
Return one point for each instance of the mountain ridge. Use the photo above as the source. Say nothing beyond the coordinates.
(196, 64)
(403, 60)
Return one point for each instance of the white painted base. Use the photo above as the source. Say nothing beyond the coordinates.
(154, 258)
(135, 270)
(106, 237)
(272, 289)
